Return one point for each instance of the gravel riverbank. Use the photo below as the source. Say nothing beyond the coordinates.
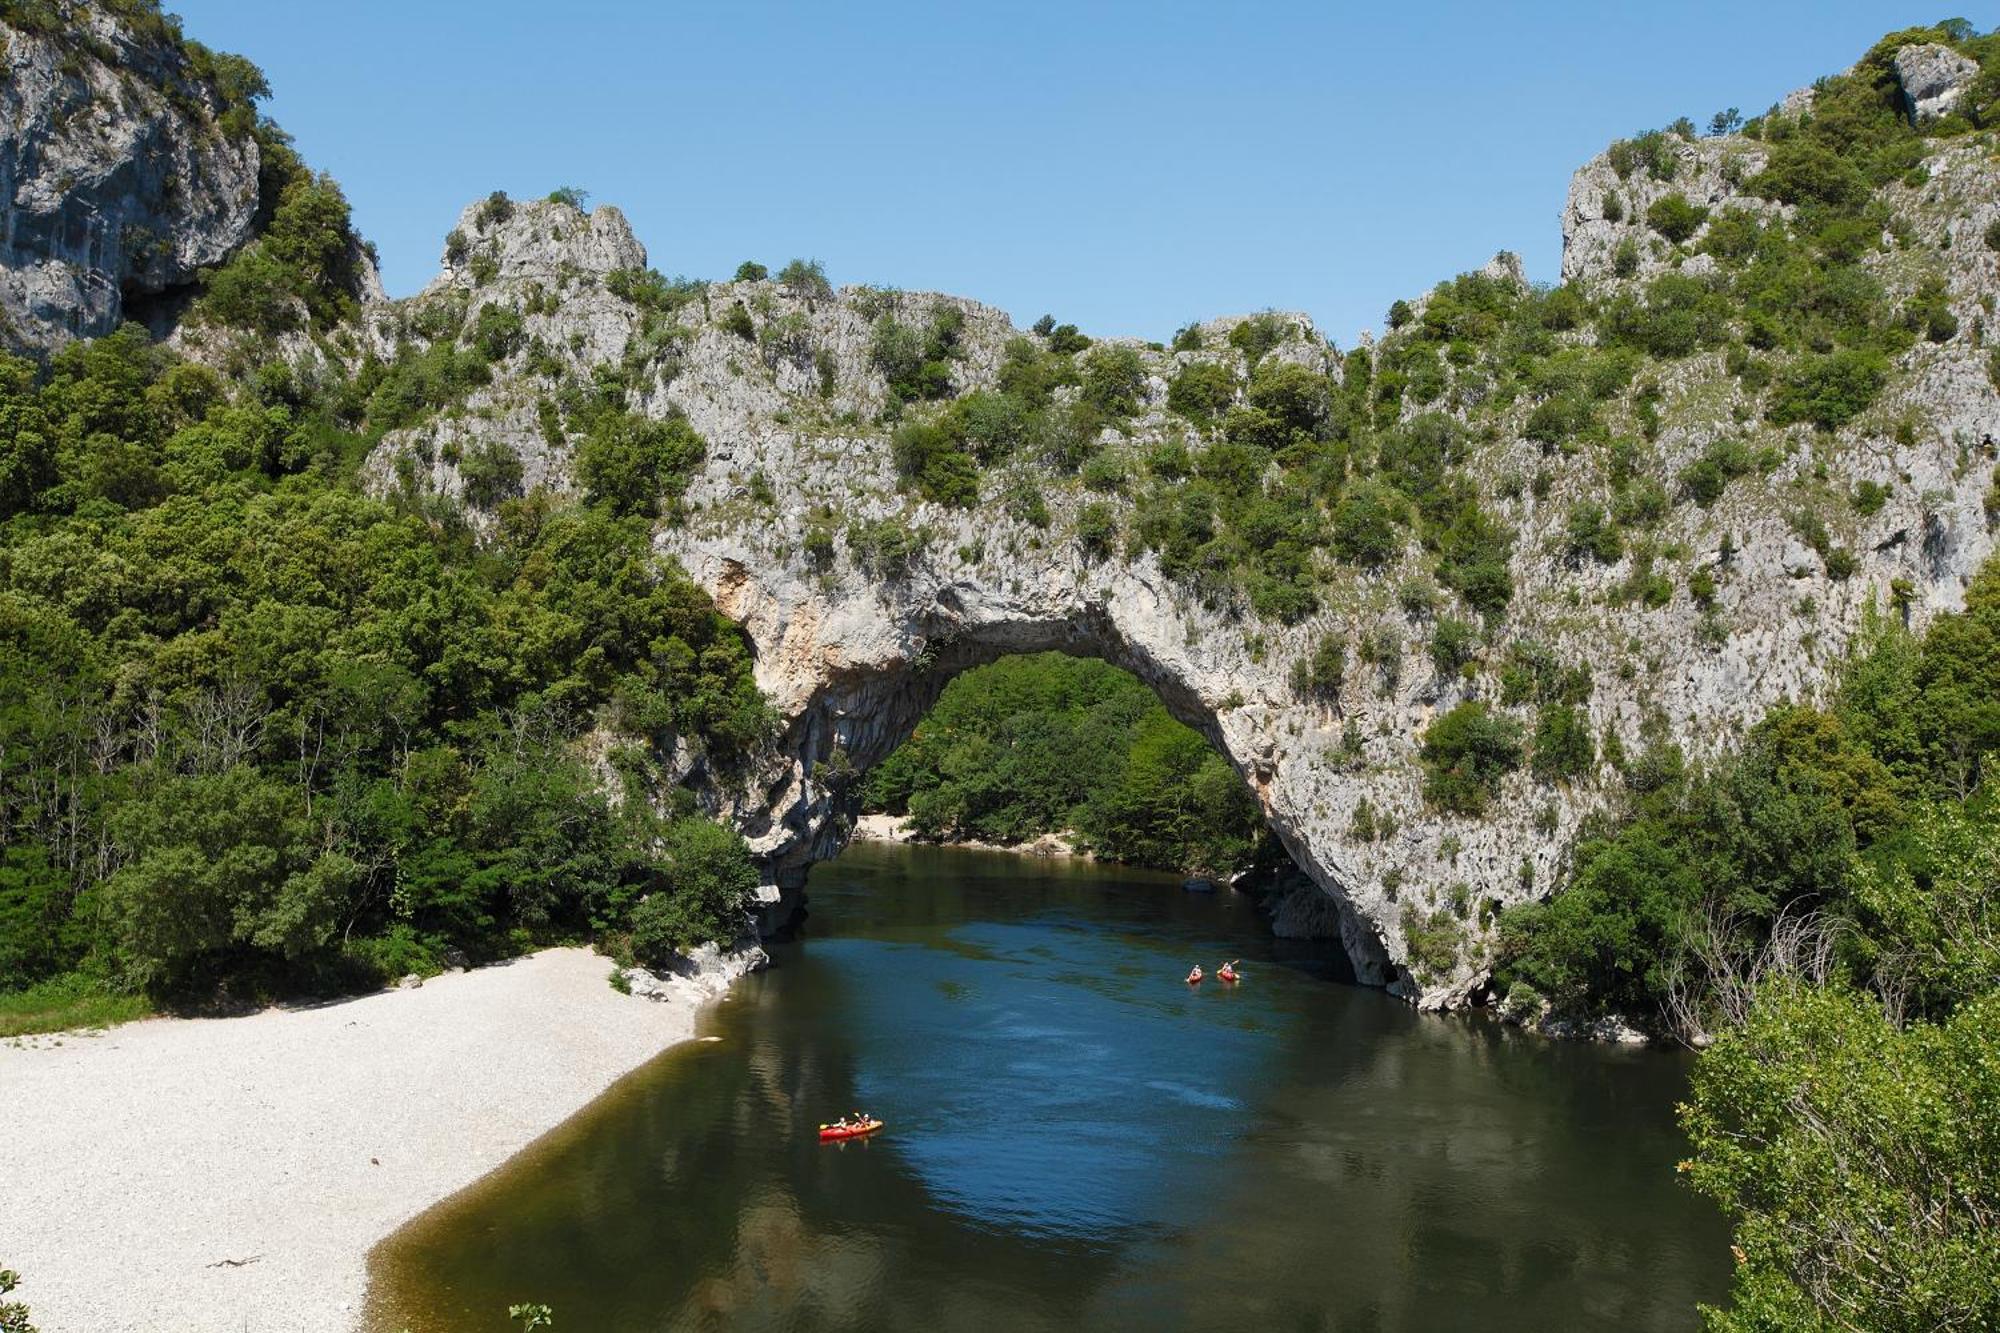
(230, 1175)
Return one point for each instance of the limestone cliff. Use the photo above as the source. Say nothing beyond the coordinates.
(853, 645)
(123, 171)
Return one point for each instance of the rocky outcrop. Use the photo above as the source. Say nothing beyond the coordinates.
(1610, 197)
(698, 977)
(120, 180)
(854, 640)
(1934, 79)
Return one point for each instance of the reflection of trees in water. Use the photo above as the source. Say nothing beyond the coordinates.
(1418, 1174)
(697, 1194)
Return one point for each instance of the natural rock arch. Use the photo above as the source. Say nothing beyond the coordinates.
(853, 664)
(860, 597)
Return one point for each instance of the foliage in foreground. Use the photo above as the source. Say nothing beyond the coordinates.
(13, 1314)
(1862, 1159)
(1048, 744)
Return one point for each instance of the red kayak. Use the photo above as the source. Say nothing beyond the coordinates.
(1226, 975)
(833, 1133)
(1194, 977)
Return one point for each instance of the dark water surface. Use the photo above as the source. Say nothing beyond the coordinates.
(1076, 1140)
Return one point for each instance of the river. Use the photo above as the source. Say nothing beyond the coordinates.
(1077, 1139)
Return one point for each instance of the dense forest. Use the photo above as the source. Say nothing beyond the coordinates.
(1053, 744)
(261, 732)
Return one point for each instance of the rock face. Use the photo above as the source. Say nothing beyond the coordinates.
(855, 637)
(1611, 195)
(119, 179)
(1934, 79)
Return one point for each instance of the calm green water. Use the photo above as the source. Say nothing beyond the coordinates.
(1076, 1140)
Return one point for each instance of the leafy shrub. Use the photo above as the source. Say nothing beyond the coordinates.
(1928, 311)
(1625, 258)
(630, 463)
(1675, 218)
(1259, 334)
(1829, 391)
(1367, 526)
(1113, 380)
(1432, 940)
(751, 271)
(737, 320)
(1024, 501)
(494, 210)
(491, 471)
(703, 885)
(1202, 391)
(303, 263)
(1454, 645)
(1465, 753)
(497, 332)
(1320, 673)
(1097, 529)
(884, 547)
(927, 457)
(1805, 171)
(806, 279)
(1591, 534)
(1722, 462)
(1065, 340)
(917, 365)
(650, 290)
(1563, 747)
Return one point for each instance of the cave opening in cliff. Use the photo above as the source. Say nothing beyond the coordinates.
(1057, 755)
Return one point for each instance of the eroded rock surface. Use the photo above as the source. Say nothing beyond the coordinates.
(853, 645)
(1934, 79)
(120, 178)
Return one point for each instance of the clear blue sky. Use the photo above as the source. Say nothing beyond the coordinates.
(1125, 166)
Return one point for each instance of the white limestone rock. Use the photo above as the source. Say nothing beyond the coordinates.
(119, 182)
(1604, 209)
(1934, 79)
(851, 653)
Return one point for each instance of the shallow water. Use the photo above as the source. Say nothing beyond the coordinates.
(1077, 1139)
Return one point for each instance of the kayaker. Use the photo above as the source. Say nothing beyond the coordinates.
(1194, 977)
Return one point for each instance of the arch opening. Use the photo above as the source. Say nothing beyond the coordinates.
(856, 719)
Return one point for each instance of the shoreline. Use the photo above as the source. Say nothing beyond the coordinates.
(896, 829)
(234, 1173)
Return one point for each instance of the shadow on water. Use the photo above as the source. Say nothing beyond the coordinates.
(1076, 1138)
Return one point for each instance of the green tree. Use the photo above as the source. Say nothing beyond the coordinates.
(220, 862)
(631, 463)
(701, 889)
(1465, 753)
(1861, 1161)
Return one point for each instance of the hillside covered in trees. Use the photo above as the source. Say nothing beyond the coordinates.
(1054, 744)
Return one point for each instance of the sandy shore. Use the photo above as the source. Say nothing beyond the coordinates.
(230, 1175)
(895, 828)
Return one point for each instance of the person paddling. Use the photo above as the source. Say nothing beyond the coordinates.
(1194, 977)
(1228, 971)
